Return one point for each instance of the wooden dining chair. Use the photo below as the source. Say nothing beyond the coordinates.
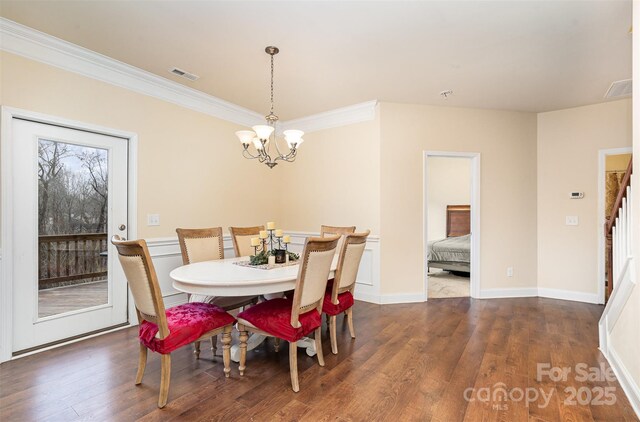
(336, 230)
(338, 297)
(291, 319)
(165, 330)
(197, 245)
(241, 237)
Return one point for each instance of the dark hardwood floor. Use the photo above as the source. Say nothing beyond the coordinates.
(409, 362)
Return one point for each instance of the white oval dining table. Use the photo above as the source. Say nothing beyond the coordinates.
(223, 277)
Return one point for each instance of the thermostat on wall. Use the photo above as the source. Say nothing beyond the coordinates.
(576, 195)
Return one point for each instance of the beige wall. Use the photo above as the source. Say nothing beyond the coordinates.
(568, 145)
(190, 171)
(335, 180)
(507, 143)
(449, 183)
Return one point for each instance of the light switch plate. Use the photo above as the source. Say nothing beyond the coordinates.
(571, 220)
(153, 219)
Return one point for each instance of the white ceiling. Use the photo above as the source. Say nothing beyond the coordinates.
(514, 55)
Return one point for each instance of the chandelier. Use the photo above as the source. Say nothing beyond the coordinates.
(262, 137)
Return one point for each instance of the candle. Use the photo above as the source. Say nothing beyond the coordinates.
(271, 225)
(255, 241)
(286, 238)
(279, 233)
(263, 234)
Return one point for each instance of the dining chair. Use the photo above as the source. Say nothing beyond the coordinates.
(336, 230)
(197, 245)
(291, 319)
(241, 237)
(165, 330)
(338, 297)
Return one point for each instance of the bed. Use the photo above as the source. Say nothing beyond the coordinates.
(454, 252)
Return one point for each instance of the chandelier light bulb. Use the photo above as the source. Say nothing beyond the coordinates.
(293, 137)
(263, 131)
(246, 136)
(257, 143)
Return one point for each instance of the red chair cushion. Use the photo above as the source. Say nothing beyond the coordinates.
(345, 302)
(187, 323)
(274, 317)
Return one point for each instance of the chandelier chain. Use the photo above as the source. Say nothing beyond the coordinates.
(271, 83)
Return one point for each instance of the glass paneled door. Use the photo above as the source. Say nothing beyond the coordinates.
(72, 198)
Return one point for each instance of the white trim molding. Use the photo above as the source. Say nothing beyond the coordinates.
(508, 293)
(631, 389)
(475, 281)
(35, 45)
(568, 295)
(343, 116)
(39, 46)
(7, 114)
(538, 292)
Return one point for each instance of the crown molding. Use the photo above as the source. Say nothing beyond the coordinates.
(39, 46)
(343, 116)
(32, 44)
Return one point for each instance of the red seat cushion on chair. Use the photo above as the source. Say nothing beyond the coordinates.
(274, 317)
(187, 323)
(345, 302)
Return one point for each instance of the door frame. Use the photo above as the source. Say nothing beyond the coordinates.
(602, 168)
(474, 281)
(7, 114)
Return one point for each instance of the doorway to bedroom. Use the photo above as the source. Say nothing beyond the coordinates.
(451, 195)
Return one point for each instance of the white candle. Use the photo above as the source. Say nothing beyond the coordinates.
(255, 241)
(271, 225)
(272, 260)
(279, 233)
(286, 238)
(263, 234)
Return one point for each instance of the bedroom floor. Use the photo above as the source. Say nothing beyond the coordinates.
(444, 284)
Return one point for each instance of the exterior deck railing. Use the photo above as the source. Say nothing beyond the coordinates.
(66, 258)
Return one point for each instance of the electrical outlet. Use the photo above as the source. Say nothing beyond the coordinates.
(509, 271)
(571, 220)
(153, 219)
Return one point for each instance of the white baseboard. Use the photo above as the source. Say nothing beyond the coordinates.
(568, 295)
(507, 293)
(631, 389)
(539, 292)
(389, 299)
(402, 298)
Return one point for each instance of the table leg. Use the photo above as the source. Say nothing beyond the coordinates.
(254, 341)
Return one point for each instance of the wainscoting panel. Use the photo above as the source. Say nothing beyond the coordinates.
(165, 253)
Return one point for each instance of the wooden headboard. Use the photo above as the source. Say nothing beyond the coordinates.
(458, 220)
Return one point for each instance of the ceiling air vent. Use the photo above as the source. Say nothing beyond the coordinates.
(619, 89)
(184, 74)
